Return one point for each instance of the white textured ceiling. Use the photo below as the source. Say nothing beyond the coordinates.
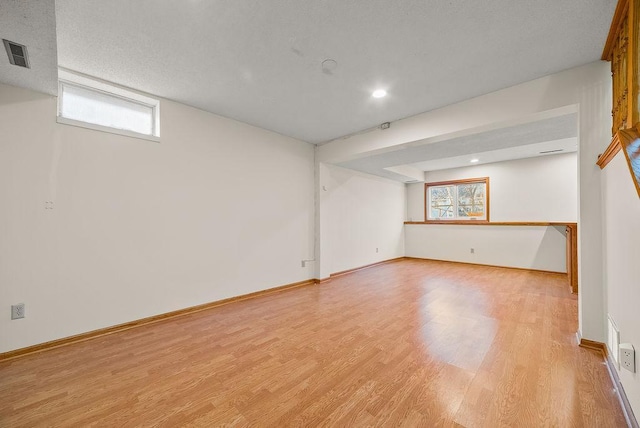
(519, 141)
(546, 148)
(260, 62)
(31, 23)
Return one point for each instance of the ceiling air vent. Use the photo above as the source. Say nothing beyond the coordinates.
(551, 151)
(17, 53)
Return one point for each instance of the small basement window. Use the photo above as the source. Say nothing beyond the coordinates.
(105, 107)
(459, 200)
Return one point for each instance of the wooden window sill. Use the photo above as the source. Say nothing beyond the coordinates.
(496, 223)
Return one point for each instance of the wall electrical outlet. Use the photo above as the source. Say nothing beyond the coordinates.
(376, 250)
(17, 311)
(473, 251)
(628, 357)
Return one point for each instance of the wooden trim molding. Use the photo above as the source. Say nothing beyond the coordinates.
(615, 379)
(610, 153)
(596, 346)
(460, 181)
(484, 180)
(498, 223)
(145, 321)
(344, 272)
(168, 315)
(572, 256)
(616, 22)
(486, 265)
(476, 222)
(571, 233)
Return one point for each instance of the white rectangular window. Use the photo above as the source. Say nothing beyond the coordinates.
(457, 200)
(97, 105)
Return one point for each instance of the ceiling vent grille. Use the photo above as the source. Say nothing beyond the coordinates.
(17, 53)
(551, 151)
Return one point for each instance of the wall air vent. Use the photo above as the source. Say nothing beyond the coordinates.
(552, 151)
(17, 53)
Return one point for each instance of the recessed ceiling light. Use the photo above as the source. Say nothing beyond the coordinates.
(474, 160)
(379, 93)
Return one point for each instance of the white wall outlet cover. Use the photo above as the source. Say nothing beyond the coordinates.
(627, 357)
(17, 311)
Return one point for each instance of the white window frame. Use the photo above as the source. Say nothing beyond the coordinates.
(66, 77)
(456, 218)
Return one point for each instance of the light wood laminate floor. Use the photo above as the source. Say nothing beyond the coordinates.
(413, 343)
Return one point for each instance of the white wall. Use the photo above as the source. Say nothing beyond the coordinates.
(527, 247)
(536, 189)
(216, 209)
(542, 189)
(586, 89)
(359, 213)
(622, 252)
(242, 197)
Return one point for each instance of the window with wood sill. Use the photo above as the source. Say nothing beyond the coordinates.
(457, 201)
